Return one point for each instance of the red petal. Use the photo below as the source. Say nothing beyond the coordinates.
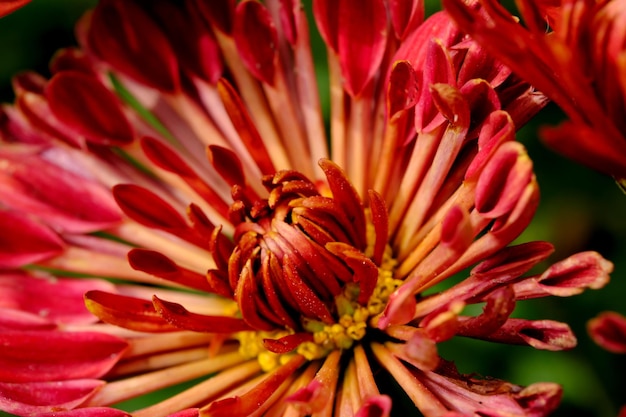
(380, 219)
(609, 331)
(127, 312)
(27, 356)
(83, 103)
(327, 20)
(287, 343)
(24, 241)
(257, 396)
(346, 197)
(365, 272)
(58, 300)
(405, 16)
(168, 159)
(503, 180)
(145, 207)
(362, 37)
(308, 302)
(180, 317)
(402, 91)
(35, 398)
(157, 264)
(193, 42)
(123, 35)
(219, 13)
(9, 6)
(245, 127)
(256, 39)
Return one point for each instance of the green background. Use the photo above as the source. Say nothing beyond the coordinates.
(580, 210)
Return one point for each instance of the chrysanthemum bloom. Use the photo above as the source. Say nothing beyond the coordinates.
(283, 275)
(574, 52)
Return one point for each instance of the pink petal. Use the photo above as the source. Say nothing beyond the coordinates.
(83, 103)
(29, 182)
(568, 277)
(609, 331)
(59, 300)
(27, 356)
(11, 319)
(377, 406)
(256, 39)
(24, 241)
(92, 412)
(32, 398)
(361, 40)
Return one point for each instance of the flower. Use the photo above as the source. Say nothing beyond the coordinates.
(288, 273)
(573, 53)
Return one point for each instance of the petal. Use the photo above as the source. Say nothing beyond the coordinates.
(257, 396)
(568, 277)
(24, 241)
(33, 182)
(123, 35)
(402, 90)
(180, 317)
(147, 208)
(83, 103)
(157, 264)
(28, 356)
(256, 39)
(34, 398)
(58, 300)
(503, 180)
(9, 6)
(127, 312)
(90, 412)
(608, 330)
(361, 41)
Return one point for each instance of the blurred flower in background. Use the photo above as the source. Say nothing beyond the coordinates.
(267, 278)
(572, 51)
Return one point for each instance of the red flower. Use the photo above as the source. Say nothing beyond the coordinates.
(238, 246)
(578, 63)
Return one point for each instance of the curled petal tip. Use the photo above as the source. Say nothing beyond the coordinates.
(608, 330)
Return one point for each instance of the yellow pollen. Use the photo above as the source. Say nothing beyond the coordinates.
(351, 326)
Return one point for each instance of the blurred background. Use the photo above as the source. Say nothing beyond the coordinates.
(580, 210)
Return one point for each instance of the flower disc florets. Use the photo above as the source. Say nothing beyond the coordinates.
(307, 271)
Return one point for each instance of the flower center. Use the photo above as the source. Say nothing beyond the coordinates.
(310, 267)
